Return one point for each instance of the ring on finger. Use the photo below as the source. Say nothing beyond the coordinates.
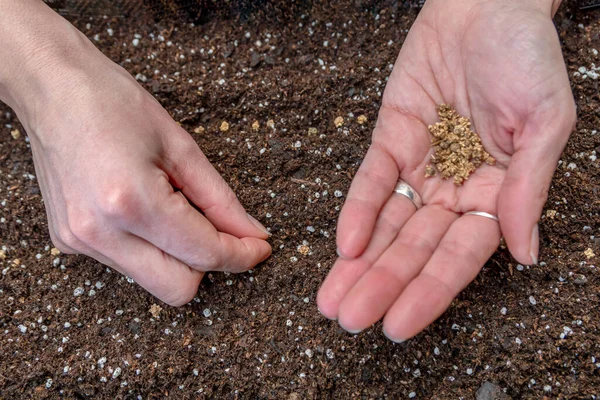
(406, 190)
(483, 214)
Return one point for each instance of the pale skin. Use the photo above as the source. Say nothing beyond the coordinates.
(500, 64)
(107, 158)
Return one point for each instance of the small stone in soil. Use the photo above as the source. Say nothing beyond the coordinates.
(199, 130)
(155, 310)
(15, 134)
(224, 126)
(362, 119)
(532, 300)
(304, 250)
(580, 279)
(254, 59)
(458, 151)
(339, 122)
(255, 125)
(490, 391)
(589, 253)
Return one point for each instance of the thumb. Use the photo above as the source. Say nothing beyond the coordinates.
(192, 173)
(525, 188)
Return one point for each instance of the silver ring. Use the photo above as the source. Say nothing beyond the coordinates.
(406, 190)
(482, 214)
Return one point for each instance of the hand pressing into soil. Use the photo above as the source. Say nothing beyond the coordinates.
(498, 63)
(107, 157)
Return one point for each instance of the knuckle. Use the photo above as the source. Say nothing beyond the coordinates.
(374, 176)
(177, 202)
(540, 195)
(208, 259)
(211, 261)
(64, 239)
(458, 251)
(122, 201)
(415, 242)
(83, 228)
(226, 199)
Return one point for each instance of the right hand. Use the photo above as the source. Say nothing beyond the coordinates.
(108, 157)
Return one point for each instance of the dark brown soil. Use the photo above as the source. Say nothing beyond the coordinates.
(262, 336)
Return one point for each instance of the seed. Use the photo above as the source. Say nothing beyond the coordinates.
(458, 151)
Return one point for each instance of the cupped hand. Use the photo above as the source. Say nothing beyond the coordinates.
(498, 62)
(120, 180)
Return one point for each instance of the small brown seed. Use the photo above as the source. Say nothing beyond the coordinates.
(458, 151)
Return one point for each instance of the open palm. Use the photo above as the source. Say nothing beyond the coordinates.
(500, 64)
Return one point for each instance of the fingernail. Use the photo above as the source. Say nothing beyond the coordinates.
(339, 253)
(321, 312)
(535, 244)
(258, 224)
(352, 331)
(395, 340)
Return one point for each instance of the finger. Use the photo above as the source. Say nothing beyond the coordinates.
(169, 222)
(345, 273)
(380, 286)
(464, 249)
(190, 171)
(159, 273)
(525, 188)
(401, 142)
(370, 189)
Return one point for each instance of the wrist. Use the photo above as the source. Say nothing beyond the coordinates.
(39, 50)
(549, 6)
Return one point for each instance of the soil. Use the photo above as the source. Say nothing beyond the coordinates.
(71, 328)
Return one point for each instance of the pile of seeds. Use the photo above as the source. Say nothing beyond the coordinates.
(458, 151)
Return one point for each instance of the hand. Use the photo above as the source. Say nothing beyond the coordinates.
(108, 157)
(499, 63)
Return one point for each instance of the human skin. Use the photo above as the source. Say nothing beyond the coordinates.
(498, 62)
(107, 158)
(107, 155)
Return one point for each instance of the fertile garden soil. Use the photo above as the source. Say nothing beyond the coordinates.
(529, 331)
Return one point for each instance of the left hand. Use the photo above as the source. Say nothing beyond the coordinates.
(498, 62)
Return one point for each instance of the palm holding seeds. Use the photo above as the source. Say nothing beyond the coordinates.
(499, 64)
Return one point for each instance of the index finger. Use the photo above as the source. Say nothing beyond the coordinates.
(370, 189)
(400, 143)
(166, 219)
